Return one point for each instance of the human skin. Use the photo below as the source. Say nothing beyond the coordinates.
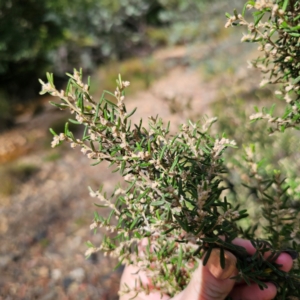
(211, 282)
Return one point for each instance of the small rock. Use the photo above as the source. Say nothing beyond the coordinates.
(5, 260)
(73, 288)
(43, 272)
(56, 274)
(77, 274)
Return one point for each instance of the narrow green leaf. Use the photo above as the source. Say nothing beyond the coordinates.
(100, 205)
(59, 105)
(110, 103)
(89, 244)
(158, 203)
(244, 9)
(294, 34)
(118, 264)
(52, 131)
(296, 80)
(131, 113)
(174, 164)
(74, 122)
(258, 16)
(162, 152)
(123, 165)
(134, 222)
(96, 163)
(179, 261)
(285, 4)
(89, 82)
(109, 93)
(222, 258)
(84, 135)
(110, 215)
(67, 129)
(207, 255)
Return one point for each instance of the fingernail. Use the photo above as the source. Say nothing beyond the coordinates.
(292, 253)
(214, 264)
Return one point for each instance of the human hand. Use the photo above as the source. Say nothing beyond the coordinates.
(211, 282)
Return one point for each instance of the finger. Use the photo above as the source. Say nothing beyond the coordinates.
(286, 262)
(253, 292)
(284, 259)
(211, 282)
(246, 244)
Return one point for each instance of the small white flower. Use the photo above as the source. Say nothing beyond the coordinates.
(260, 48)
(79, 118)
(128, 177)
(227, 24)
(84, 150)
(256, 116)
(264, 82)
(274, 52)
(268, 47)
(118, 192)
(251, 27)
(86, 88)
(93, 136)
(249, 64)
(62, 137)
(247, 37)
(91, 155)
(93, 194)
(287, 58)
(275, 10)
(287, 98)
(125, 83)
(261, 4)
(289, 87)
(55, 141)
(90, 251)
(93, 225)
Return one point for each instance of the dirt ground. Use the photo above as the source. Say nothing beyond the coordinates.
(46, 212)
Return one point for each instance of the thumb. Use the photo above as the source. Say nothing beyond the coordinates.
(211, 282)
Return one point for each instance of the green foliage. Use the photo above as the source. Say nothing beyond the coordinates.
(62, 34)
(275, 27)
(59, 35)
(27, 32)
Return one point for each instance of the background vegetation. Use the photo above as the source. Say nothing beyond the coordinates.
(59, 35)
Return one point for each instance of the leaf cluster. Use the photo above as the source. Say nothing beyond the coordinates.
(276, 29)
